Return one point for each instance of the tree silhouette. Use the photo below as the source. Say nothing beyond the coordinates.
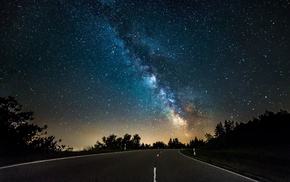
(18, 135)
(98, 145)
(113, 142)
(196, 143)
(209, 137)
(110, 142)
(127, 141)
(170, 143)
(267, 130)
(159, 145)
(174, 143)
(219, 130)
(119, 142)
(229, 126)
(136, 141)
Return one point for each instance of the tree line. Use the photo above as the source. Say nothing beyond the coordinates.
(113, 142)
(131, 142)
(19, 135)
(267, 130)
(173, 143)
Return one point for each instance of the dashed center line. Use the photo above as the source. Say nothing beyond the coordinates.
(155, 168)
(154, 174)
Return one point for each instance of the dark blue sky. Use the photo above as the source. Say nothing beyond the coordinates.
(161, 69)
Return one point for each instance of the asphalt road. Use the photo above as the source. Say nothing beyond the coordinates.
(147, 165)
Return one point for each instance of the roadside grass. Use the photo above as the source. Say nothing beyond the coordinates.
(259, 164)
(10, 160)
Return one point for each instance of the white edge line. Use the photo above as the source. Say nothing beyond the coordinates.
(61, 158)
(154, 174)
(219, 167)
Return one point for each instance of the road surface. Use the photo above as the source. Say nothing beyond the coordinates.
(146, 165)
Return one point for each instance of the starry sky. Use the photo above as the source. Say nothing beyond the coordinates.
(159, 68)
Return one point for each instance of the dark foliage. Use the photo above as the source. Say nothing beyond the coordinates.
(112, 142)
(268, 130)
(175, 144)
(159, 145)
(196, 143)
(18, 135)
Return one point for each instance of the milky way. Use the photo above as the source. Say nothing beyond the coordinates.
(161, 69)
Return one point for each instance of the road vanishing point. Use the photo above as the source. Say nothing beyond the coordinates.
(146, 165)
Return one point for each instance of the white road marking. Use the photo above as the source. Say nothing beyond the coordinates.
(220, 168)
(154, 174)
(63, 158)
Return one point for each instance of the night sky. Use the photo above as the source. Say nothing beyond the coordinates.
(90, 68)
